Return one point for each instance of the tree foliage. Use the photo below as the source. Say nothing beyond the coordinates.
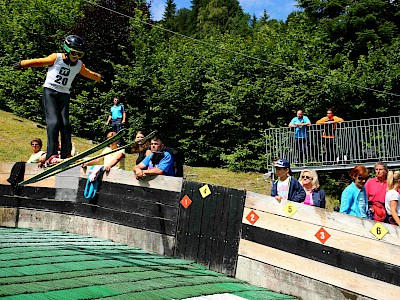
(213, 93)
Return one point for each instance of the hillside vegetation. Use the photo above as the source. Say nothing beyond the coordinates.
(16, 134)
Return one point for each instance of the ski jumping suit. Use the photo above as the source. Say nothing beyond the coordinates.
(61, 72)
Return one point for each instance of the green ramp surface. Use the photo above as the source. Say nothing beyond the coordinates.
(42, 264)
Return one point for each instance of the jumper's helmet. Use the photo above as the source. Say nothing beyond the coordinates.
(75, 45)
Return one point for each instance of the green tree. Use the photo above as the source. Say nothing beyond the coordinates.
(226, 17)
(169, 15)
(355, 25)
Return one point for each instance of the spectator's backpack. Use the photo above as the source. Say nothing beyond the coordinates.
(379, 211)
(179, 159)
(177, 156)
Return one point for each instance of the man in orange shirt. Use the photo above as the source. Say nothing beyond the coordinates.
(62, 69)
(328, 134)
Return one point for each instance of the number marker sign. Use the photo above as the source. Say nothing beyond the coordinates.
(252, 217)
(205, 191)
(379, 231)
(290, 209)
(322, 235)
(186, 201)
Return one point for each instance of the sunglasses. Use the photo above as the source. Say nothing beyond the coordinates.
(34, 145)
(362, 178)
(306, 177)
(279, 168)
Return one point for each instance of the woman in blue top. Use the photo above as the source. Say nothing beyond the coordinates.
(354, 197)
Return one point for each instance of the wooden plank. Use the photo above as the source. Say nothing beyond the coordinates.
(195, 220)
(237, 198)
(209, 215)
(219, 233)
(290, 283)
(130, 192)
(161, 182)
(136, 203)
(331, 256)
(183, 221)
(375, 249)
(323, 217)
(338, 277)
(130, 219)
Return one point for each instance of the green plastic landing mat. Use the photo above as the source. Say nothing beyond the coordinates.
(42, 264)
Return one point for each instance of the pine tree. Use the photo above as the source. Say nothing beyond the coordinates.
(169, 15)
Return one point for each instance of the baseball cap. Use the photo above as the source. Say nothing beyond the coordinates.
(282, 163)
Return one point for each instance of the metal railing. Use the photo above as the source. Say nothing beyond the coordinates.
(351, 142)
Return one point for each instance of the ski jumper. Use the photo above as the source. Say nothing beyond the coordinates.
(61, 72)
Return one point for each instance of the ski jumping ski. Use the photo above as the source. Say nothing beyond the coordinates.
(67, 162)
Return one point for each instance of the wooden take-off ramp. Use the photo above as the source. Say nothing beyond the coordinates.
(287, 247)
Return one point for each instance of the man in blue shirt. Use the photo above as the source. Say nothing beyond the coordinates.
(157, 163)
(300, 123)
(117, 115)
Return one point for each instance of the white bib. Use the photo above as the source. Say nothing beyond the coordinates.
(60, 75)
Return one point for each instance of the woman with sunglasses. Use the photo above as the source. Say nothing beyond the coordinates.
(314, 195)
(62, 69)
(354, 199)
(38, 156)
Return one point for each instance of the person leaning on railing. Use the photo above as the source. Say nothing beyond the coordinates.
(328, 134)
(300, 123)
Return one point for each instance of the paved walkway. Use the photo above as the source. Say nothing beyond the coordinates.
(40, 264)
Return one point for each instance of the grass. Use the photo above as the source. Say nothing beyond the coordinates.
(16, 134)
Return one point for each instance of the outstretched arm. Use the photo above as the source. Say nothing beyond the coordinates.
(89, 74)
(38, 62)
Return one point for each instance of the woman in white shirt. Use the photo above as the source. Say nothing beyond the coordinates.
(38, 156)
(392, 203)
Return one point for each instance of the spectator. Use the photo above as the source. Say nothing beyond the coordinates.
(117, 116)
(376, 190)
(142, 148)
(157, 163)
(286, 187)
(392, 198)
(115, 161)
(314, 195)
(62, 69)
(354, 199)
(300, 123)
(38, 156)
(328, 135)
